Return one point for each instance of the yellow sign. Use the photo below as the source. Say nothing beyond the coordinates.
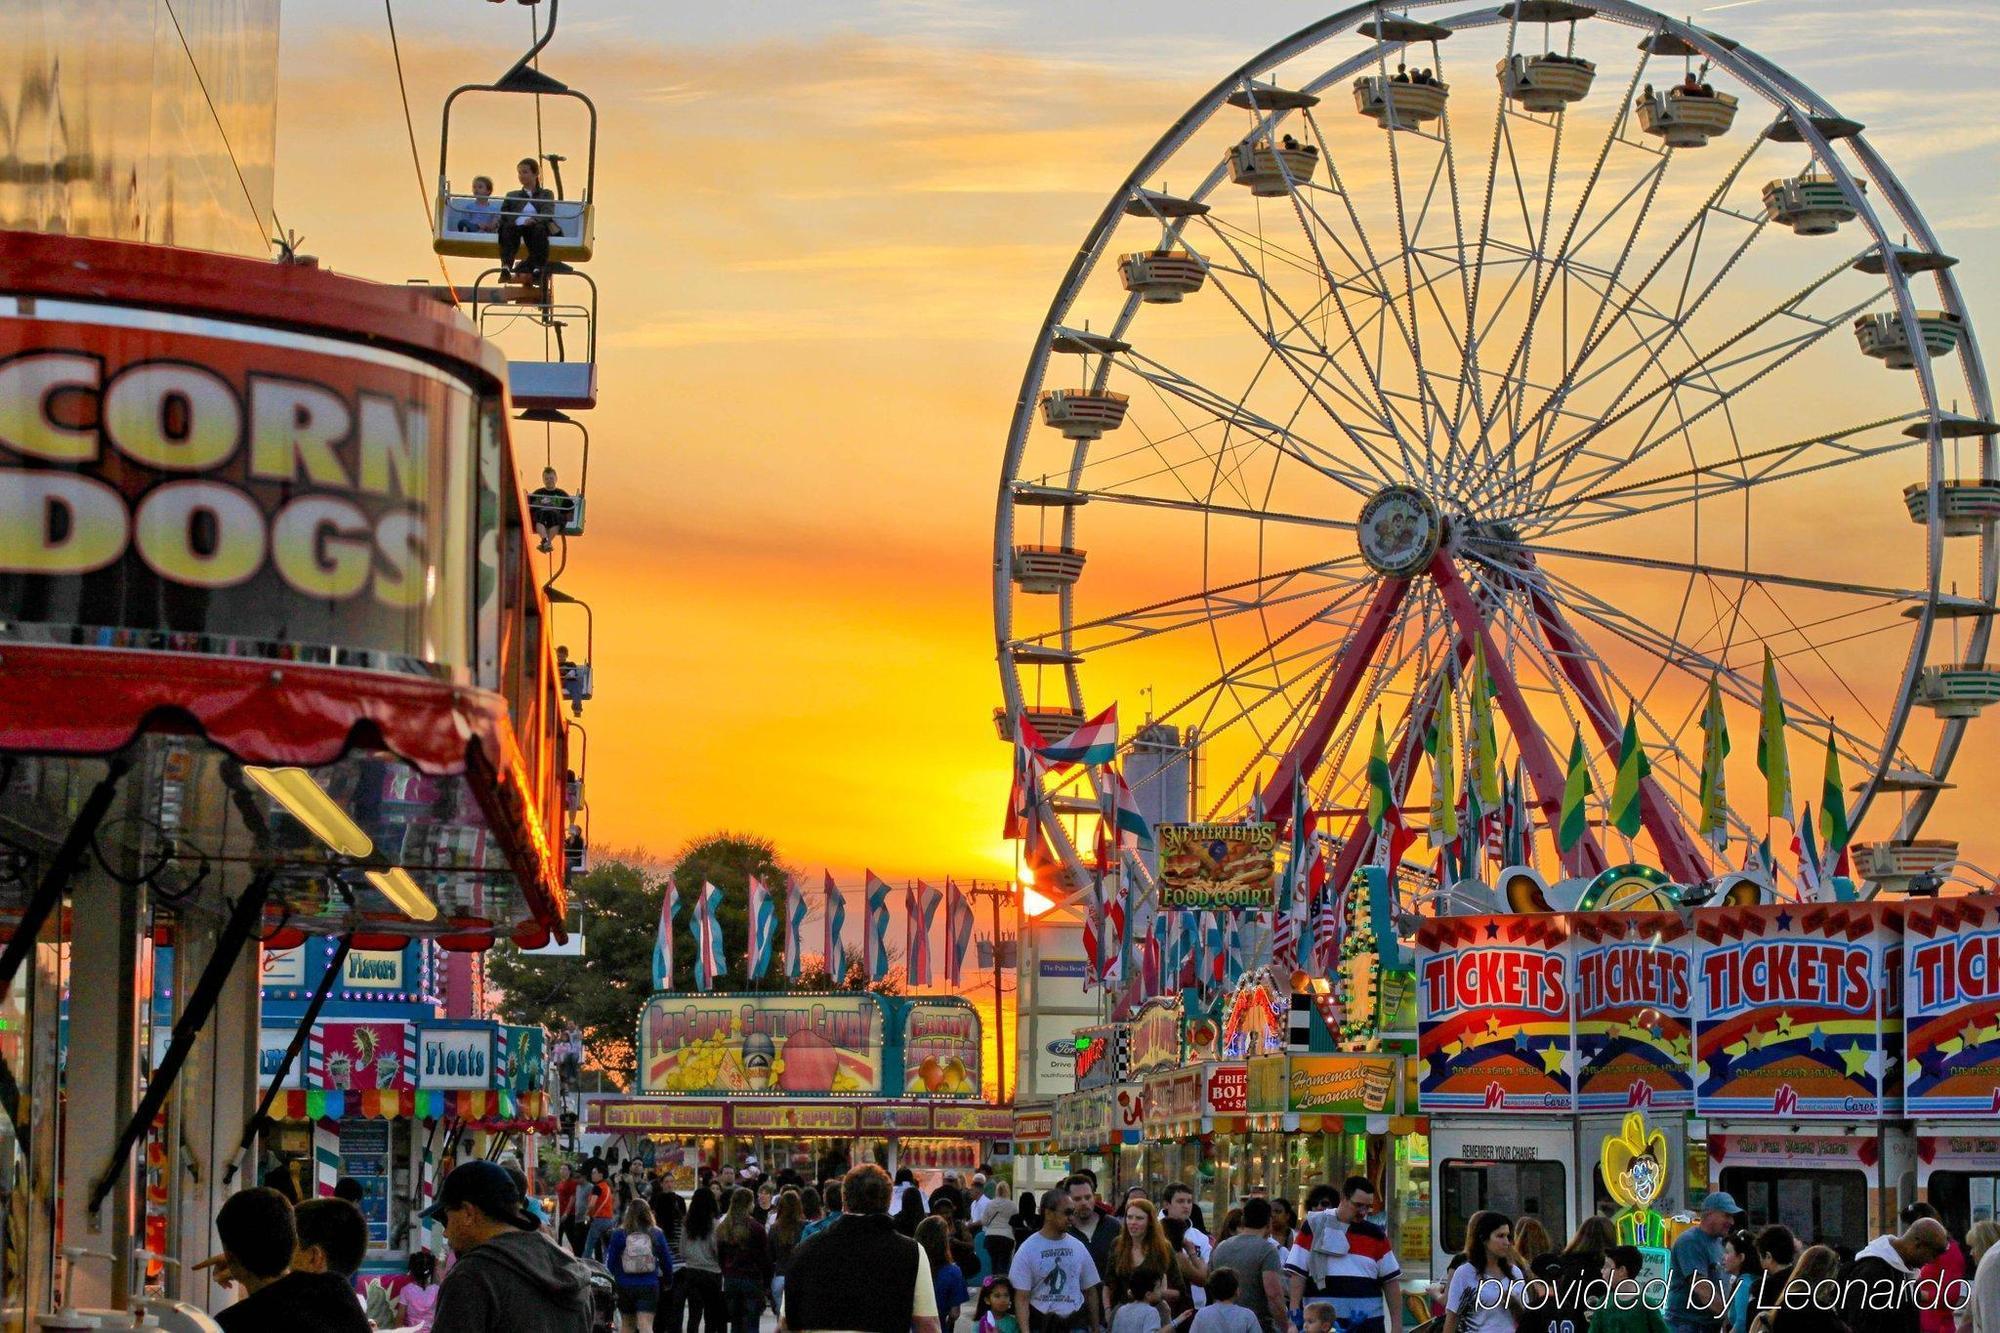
(1635, 1164)
(771, 1045)
(796, 1119)
(1347, 1084)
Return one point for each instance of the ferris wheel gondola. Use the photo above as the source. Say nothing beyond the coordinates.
(1533, 382)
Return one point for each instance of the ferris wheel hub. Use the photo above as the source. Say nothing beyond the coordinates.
(1399, 530)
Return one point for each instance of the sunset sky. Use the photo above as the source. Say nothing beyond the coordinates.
(827, 234)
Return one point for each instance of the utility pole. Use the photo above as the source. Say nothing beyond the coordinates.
(995, 894)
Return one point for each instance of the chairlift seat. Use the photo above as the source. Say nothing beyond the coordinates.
(573, 244)
(1686, 120)
(569, 508)
(552, 384)
(1396, 105)
(576, 682)
(1542, 85)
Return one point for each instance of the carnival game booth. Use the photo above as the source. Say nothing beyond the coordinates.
(815, 1081)
(1537, 1035)
(261, 564)
(1951, 1053)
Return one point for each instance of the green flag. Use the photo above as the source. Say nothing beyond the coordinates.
(1575, 818)
(1632, 771)
(1444, 771)
(1380, 794)
(1714, 749)
(1772, 761)
(1833, 830)
(1482, 750)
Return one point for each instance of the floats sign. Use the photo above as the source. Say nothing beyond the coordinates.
(202, 490)
(1494, 996)
(1634, 1000)
(1951, 1021)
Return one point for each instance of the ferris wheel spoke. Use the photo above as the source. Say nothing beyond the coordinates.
(1762, 467)
(1200, 610)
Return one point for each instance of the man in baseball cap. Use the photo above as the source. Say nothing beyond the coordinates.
(509, 1278)
(1696, 1299)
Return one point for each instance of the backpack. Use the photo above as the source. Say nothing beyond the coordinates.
(639, 1258)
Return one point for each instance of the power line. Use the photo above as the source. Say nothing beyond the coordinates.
(416, 162)
(216, 116)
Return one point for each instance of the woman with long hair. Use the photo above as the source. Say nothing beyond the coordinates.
(1798, 1310)
(744, 1254)
(1027, 1218)
(1531, 1241)
(701, 1267)
(638, 1259)
(998, 1224)
(947, 1278)
(910, 1212)
(1486, 1287)
(788, 1219)
(1141, 1242)
(1982, 1246)
(1571, 1272)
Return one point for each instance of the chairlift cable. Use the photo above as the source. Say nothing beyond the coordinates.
(195, 67)
(535, 39)
(410, 129)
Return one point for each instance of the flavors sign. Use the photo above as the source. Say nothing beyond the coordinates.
(1493, 1014)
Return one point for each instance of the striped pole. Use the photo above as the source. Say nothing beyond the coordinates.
(326, 1156)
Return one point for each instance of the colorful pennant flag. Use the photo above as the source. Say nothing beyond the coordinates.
(709, 962)
(795, 930)
(1517, 821)
(875, 929)
(957, 933)
(1772, 761)
(1833, 830)
(920, 906)
(663, 938)
(1574, 821)
(1482, 752)
(834, 909)
(1381, 789)
(1811, 885)
(1633, 770)
(1442, 745)
(1714, 824)
(1133, 830)
(762, 931)
(1093, 743)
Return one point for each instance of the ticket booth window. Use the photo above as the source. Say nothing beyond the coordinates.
(1965, 1197)
(1820, 1207)
(1517, 1189)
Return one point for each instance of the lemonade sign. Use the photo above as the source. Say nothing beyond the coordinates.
(774, 1045)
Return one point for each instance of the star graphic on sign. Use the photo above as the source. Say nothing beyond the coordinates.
(1492, 1027)
(1736, 1049)
(1452, 1048)
(1784, 921)
(1969, 1035)
(1931, 1064)
(1717, 1065)
(1856, 1058)
(1492, 930)
(1755, 1037)
(1784, 1026)
(1816, 1037)
(1554, 1059)
(1679, 1046)
(1874, 1065)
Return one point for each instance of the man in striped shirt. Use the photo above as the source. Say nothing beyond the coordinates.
(1342, 1258)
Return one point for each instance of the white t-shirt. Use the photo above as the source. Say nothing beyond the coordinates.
(978, 1210)
(1490, 1312)
(1203, 1247)
(1053, 1276)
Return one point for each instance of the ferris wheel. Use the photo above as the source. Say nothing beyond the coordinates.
(1568, 339)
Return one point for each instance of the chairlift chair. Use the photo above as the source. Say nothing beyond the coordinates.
(579, 768)
(575, 218)
(555, 383)
(576, 677)
(551, 417)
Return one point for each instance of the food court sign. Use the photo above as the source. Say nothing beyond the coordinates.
(1217, 867)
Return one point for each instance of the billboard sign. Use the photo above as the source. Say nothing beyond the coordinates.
(183, 482)
(1493, 1014)
(1633, 1011)
(1218, 867)
(941, 1049)
(773, 1044)
(284, 967)
(1794, 1011)
(1951, 1015)
(344, 1056)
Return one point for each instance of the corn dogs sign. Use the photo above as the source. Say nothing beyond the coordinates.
(1218, 867)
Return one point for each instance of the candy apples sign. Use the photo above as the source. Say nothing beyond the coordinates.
(765, 1045)
(941, 1049)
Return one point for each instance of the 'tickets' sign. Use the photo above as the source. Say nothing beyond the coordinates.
(167, 481)
(1951, 1017)
(1795, 1008)
(1493, 1014)
(1633, 1006)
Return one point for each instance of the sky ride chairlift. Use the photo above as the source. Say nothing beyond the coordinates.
(574, 676)
(563, 511)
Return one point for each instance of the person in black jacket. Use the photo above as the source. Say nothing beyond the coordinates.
(821, 1289)
(1878, 1289)
(527, 219)
(259, 1243)
(509, 1278)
